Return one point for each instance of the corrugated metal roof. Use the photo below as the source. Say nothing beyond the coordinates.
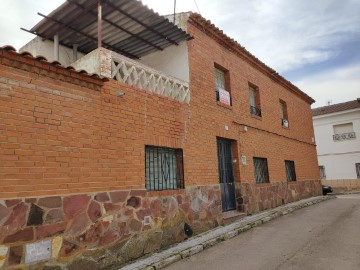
(128, 27)
(350, 105)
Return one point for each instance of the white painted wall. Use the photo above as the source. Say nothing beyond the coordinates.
(38, 46)
(173, 60)
(338, 157)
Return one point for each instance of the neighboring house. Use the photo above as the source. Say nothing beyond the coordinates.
(112, 166)
(337, 133)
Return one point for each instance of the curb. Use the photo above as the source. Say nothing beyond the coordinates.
(210, 238)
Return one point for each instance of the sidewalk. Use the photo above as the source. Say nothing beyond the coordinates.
(210, 238)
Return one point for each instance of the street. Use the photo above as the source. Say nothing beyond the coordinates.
(322, 236)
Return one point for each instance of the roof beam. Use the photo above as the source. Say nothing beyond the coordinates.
(84, 34)
(116, 25)
(42, 36)
(140, 22)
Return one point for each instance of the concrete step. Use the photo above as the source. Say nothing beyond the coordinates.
(231, 216)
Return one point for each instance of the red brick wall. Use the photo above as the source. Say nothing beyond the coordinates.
(62, 136)
(59, 137)
(268, 138)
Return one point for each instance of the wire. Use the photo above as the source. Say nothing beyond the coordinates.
(197, 7)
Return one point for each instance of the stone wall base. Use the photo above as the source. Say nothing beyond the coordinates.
(108, 229)
(102, 230)
(253, 198)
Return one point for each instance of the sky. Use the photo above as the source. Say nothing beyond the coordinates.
(313, 44)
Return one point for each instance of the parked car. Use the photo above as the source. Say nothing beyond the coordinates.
(326, 189)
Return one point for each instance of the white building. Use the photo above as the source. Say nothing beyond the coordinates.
(337, 133)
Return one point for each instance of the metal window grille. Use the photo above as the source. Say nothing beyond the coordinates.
(290, 170)
(261, 170)
(322, 172)
(164, 168)
(357, 166)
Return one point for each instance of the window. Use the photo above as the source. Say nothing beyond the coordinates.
(163, 168)
(322, 172)
(357, 167)
(283, 114)
(290, 170)
(261, 170)
(254, 101)
(222, 86)
(344, 132)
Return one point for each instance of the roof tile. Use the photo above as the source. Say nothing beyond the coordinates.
(354, 104)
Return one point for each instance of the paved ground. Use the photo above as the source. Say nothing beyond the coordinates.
(322, 236)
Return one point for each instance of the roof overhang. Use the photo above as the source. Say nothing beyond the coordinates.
(128, 27)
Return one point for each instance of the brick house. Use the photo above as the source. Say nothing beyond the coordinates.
(101, 169)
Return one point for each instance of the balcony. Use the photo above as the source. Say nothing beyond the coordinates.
(255, 111)
(344, 136)
(284, 122)
(123, 69)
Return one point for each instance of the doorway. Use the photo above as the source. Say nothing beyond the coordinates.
(226, 174)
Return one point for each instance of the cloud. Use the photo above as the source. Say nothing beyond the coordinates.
(337, 85)
(21, 13)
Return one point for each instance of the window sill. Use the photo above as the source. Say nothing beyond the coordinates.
(170, 192)
(255, 116)
(229, 107)
(292, 182)
(263, 184)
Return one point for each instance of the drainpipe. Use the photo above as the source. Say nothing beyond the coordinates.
(56, 47)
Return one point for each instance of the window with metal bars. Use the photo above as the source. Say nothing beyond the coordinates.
(222, 85)
(290, 170)
(261, 170)
(254, 100)
(164, 168)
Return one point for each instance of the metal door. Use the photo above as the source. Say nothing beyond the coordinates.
(226, 174)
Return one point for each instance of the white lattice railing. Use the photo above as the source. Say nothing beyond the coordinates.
(133, 73)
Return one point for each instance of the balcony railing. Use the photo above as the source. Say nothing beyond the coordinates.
(133, 73)
(284, 122)
(255, 111)
(344, 136)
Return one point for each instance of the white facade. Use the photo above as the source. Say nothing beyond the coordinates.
(45, 48)
(338, 143)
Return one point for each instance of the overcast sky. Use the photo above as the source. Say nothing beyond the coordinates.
(314, 44)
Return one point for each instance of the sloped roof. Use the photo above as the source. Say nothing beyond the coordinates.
(354, 104)
(40, 61)
(128, 27)
(210, 29)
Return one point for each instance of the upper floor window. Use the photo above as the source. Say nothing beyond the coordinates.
(344, 132)
(290, 170)
(322, 172)
(254, 100)
(163, 168)
(357, 167)
(261, 170)
(222, 85)
(283, 114)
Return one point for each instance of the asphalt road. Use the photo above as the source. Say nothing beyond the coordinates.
(322, 236)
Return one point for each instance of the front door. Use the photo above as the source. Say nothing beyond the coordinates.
(226, 174)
